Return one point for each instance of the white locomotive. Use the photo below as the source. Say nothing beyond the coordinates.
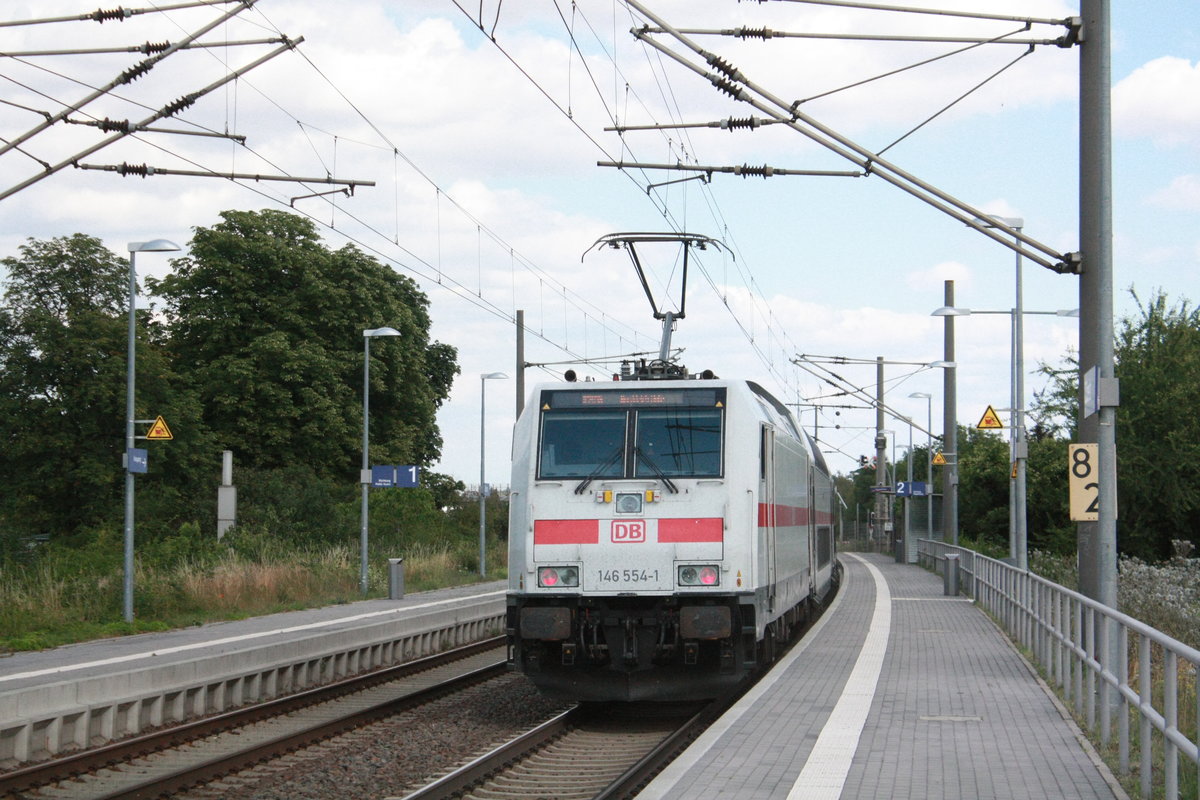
(663, 536)
(665, 530)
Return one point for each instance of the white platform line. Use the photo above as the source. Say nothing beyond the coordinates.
(824, 774)
(230, 639)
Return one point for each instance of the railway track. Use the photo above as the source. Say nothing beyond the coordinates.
(169, 761)
(593, 751)
(590, 752)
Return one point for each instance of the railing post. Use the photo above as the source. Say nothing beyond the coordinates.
(1144, 700)
(1079, 645)
(1090, 638)
(1123, 708)
(1103, 652)
(1171, 723)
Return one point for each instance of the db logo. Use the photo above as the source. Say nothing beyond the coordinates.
(632, 530)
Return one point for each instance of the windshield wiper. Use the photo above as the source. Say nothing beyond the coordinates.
(583, 484)
(637, 452)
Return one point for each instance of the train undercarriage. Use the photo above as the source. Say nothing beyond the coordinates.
(640, 648)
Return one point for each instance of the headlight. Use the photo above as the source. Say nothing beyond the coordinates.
(629, 503)
(700, 575)
(553, 577)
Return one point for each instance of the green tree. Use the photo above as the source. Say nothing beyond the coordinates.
(1158, 430)
(1048, 516)
(269, 323)
(1157, 355)
(983, 475)
(63, 335)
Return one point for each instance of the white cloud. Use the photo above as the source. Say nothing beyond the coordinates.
(1183, 193)
(1161, 101)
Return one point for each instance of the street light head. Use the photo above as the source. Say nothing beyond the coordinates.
(1067, 312)
(944, 364)
(950, 311)
(1016, 223)
(489, 375)
(381, 332)
(921, 395)
(154, 246)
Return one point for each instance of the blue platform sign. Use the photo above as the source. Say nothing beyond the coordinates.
(408, 476)
(138, 461)
(911, 488)
(387, 476)
(383, 476)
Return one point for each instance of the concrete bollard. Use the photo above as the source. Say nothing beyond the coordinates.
(899, 548)
(950, 576)
(395, 578)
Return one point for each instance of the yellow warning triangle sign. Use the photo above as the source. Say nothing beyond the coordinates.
(990, 420)
(939, 460)
(159, 429)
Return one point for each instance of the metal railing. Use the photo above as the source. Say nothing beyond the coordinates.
(1067, 634)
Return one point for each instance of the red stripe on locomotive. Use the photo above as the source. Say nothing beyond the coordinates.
(566, 531)
(710, 529)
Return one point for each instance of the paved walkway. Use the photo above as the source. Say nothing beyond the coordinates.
(898, 693)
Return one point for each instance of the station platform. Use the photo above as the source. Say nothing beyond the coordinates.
(897, 692)
(88, 694)
(124, 653)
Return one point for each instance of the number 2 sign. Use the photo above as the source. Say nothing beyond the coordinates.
(1084, 478)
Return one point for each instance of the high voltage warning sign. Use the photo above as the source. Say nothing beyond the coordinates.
(159, 429)
(990, 420)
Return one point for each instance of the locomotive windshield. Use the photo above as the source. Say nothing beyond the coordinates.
(627, 434)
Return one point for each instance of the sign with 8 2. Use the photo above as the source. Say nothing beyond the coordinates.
(1084, 475)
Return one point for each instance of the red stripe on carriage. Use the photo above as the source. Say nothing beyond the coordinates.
(708, 529)
(566, 531)
(788, 516)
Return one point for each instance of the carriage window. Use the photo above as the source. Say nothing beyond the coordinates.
(678, 443)
(581, 444)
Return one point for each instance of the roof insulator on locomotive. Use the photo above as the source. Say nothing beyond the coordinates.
(626, 370)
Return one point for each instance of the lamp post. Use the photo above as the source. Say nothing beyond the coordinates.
(154, 246)
(928, 398)
(949, 427)
(483, 379)
(364, 476)
(1018, 528)
(908, 497)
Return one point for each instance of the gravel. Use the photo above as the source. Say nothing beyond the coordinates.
(397, 756)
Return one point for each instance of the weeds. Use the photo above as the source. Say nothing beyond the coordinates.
(59, 600)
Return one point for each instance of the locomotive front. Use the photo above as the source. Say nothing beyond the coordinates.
(629, 575)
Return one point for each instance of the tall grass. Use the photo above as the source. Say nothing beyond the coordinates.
(56, 600)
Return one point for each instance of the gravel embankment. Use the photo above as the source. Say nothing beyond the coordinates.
(392, 758)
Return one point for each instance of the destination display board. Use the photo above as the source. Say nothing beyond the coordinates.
(643, 397)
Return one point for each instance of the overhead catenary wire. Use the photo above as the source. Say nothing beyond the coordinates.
(119, 14)
(731, 81)
(131, 74)
(775, 333)
(166, 111)
(132, 129)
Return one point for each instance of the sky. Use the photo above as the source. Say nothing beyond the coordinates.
(480, 126)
